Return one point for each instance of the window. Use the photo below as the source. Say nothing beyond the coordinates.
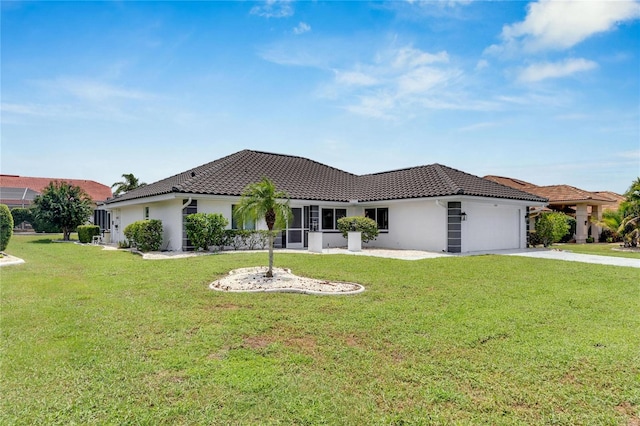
(146, 213)
(330, 218)
(380, 215)
(235, 224)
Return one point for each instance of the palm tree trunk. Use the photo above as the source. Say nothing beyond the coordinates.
(270, 271)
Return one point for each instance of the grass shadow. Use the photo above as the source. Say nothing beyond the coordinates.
(41, 241)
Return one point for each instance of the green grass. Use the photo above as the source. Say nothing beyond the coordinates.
(601, 249)
(104, 337)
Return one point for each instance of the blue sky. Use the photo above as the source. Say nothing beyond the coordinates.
(543, 91)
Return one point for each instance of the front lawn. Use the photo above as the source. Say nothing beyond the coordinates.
(103, 337)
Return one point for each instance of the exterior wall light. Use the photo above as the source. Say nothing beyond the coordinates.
(463, 215)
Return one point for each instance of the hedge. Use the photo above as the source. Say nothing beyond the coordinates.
(87, 232)
(145, 235)
(6, 226)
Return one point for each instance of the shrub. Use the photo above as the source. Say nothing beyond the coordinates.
(609, 236)
(243, 239)
(572, 229)
(551, 227)
(149, 235)
(145, 235)
(206, 230)
(590, 239)
(21, 214)
(534, 239)
(367, 226)
(6, 226)
(131, 232)
(87, 232)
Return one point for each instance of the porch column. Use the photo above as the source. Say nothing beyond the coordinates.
(582, 224)
(596, 214)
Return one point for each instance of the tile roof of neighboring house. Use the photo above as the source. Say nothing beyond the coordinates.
(97, 191)
(556, 194)
(616, 198)
(305, 179)
(513, 183)
(568, 194)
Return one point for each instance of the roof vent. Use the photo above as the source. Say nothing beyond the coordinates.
(193, 174)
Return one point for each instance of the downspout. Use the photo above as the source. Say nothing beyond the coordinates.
(187, 203)
(24, 196)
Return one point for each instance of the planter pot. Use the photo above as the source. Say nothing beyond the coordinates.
(315, 242)
(354, 241)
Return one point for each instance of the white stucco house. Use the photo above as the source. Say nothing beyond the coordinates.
(432, 207)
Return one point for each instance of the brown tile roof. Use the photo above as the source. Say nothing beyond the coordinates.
(305, 179)
(97, 191)
(556, 194)
(616, 199)
(568, 194)
(513, 183)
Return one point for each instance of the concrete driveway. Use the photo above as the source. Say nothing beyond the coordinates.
(576, 257)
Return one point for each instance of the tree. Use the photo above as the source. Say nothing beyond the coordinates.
(129, 183)
(630, 207)
(64, 205)
(261, 200)
(6, 226)
(551, 227)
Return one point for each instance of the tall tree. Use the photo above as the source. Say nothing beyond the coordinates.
(129, 183)
(63, 205)
(262, 200)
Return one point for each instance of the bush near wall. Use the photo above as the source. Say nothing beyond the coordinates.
(206, 230)
(6, 226)
(87, 232)
(145, 235)
(367, 226)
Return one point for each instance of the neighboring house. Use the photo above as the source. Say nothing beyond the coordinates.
(583, 205)
(434, 207)
(19, 191)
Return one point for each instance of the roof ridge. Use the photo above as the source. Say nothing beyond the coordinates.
(398, 170)
(440, 169)
(300, 158)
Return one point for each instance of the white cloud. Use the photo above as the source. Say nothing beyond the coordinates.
(302, 28)
(410, 57)
(545, 70)
(273, 9)
(95, 91)
(355, 78)
(479, 126)
(561, 24)
(482, 64)
(399, 82)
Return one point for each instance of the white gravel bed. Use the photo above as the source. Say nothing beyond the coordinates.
(254, 280)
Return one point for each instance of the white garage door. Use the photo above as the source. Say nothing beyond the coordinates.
(490, 227)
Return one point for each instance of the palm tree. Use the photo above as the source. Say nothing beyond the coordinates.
(611, 220)
(129, 183)
(630, 225)
(262, 200)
